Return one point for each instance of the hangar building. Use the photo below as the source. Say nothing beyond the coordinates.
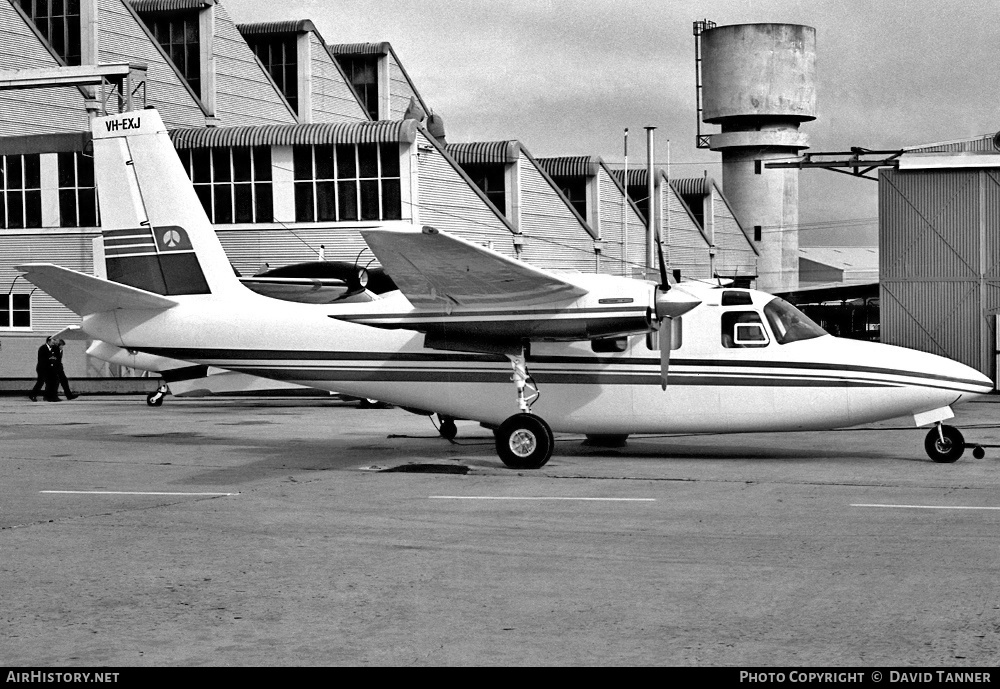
(939, 257)
(291, 141)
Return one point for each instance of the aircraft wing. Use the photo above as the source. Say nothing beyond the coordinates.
(438, 271)
(84, 294)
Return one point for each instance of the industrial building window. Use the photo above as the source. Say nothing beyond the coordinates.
(233, 184)
(21, 198)
(59, 22)
(280, 58)
(15, 311)
(362, 72)
(77, 195)
(575, 189)
(347, 182)
(490, 178)
(179, 36)
(757, 233)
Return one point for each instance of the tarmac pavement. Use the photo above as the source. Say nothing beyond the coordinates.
(254, 531)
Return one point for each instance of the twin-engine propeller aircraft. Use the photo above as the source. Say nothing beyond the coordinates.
(467, 321)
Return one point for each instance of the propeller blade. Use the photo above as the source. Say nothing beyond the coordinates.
(666, 338)
(664, 284)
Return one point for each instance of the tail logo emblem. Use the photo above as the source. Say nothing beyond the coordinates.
(172, 238)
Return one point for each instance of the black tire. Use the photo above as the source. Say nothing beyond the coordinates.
(524, 441)
(448, 429)
(154, 399)
(947, 451)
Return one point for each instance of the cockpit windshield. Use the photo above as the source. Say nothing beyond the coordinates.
(789, 324)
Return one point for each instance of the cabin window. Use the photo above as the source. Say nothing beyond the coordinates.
(232, 183)
(732, 297)
(345, 182)
(59, 22)
(20, 191)
(743, 329)
(77, 194)
(789, 324)
(15, 312)
(280, 58)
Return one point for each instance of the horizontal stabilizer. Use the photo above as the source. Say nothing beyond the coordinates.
(435, 270)
(71, 332)
(84, 294)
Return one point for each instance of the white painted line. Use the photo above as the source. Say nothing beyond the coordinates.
(491, 497)
(932, 507)
(123, 492)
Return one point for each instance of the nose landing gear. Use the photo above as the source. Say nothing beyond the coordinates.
(944, 444)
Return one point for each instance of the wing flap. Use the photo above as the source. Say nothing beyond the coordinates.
(84, 294)
(439, 271)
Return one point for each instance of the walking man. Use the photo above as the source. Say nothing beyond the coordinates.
(60, 373)
(48, 376)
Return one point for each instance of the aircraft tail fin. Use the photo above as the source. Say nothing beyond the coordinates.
(156, 235)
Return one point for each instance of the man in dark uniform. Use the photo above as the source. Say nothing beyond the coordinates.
(60, 373)
(48, 376)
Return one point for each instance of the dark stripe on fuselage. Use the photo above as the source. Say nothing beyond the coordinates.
(438, 375)
(456, 358)
(505, 314)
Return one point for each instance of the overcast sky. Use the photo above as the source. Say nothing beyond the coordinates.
(566, 77)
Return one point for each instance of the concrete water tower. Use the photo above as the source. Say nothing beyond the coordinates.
(756, 81)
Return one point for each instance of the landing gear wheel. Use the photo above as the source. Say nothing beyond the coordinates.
(154, 399)
(524, 441)
(447, 429)
(947, 450)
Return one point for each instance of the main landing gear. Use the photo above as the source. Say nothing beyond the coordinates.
(524, 441)
(155, 399)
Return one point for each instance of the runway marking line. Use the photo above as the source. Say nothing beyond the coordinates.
(497, 497)
(126, 492)
(930, 507)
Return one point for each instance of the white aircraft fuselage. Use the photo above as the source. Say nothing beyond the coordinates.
(819, 383)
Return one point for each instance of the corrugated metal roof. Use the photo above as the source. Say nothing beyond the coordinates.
(983, 142)
(291, 26)
(170, 5)
(291, 134)
(360, 48)
(690, 186)
(485, 152)
(636, 176)
(571, 166)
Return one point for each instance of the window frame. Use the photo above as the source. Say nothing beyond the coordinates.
(8, 311)
(285, 70)
(68, 22)
(190, 70)
(210, 189)
(333, 169)
(76, 190)
(29, 195)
